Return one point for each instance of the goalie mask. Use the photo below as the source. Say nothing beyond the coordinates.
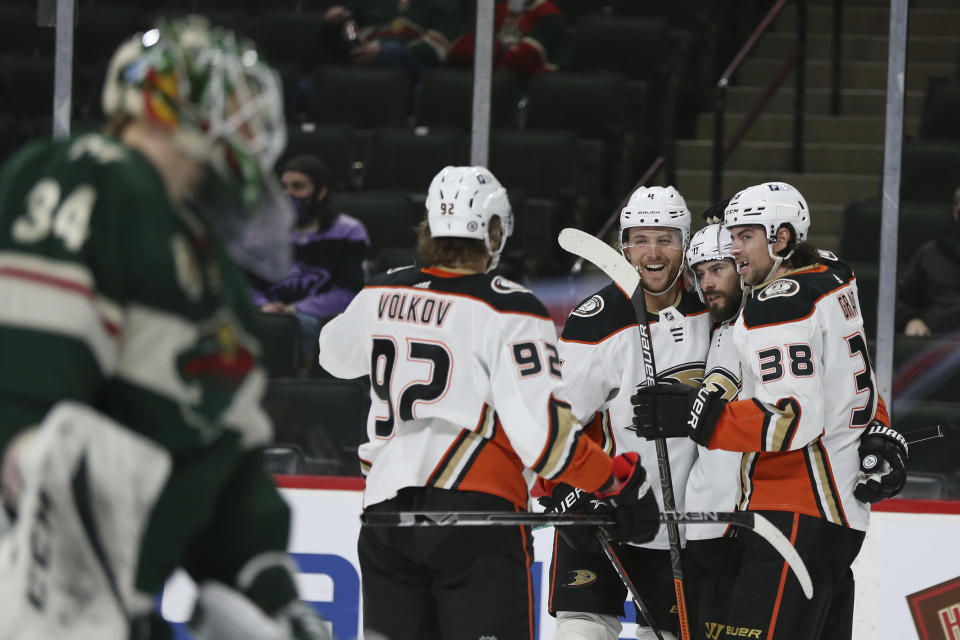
(461, 202)
(222, 106)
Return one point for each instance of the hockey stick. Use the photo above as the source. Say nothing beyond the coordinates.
(625, 579)
(922, 435)
(746, 519)
(626, 277)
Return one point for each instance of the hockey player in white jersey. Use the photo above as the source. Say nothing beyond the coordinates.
(714, 484)
(466, 411)
(808, 393)
(600, 349)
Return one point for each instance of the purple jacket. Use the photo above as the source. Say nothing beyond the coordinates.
(327, 269)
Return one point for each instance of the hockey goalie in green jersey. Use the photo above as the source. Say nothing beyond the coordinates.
(130, 384)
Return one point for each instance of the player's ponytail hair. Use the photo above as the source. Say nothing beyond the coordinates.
(801, 254)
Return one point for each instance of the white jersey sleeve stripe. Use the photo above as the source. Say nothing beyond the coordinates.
(36, 301)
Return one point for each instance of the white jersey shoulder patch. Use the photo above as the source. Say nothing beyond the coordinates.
(829, 255)
(778, 289)
(589, 307)
(502, 285)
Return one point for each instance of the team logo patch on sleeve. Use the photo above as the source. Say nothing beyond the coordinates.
(589, 307)
(829, 255)
(502, 285)
(779, 289)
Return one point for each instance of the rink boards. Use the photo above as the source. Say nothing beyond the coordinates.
(912, 546)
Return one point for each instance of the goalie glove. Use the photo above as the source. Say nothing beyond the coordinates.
(883, 463)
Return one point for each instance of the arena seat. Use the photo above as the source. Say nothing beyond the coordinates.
(446, 99)
(363, 97)
(405, 160)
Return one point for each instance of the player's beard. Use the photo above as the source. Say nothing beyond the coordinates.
(726, 307)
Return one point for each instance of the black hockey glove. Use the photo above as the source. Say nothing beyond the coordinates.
(661, 410)
(883, 464)
(633, 503)
(568, 499)
(706, 405)
(714, 214)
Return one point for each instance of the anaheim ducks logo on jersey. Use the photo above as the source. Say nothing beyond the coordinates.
(779, 288)
(724, 380)
(589, 307)
(502, 285)
(688, 373)
(580, 578)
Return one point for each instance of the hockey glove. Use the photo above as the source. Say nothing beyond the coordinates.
(706, 405)
(883, 464)
(661, 410)
(568, 499)
(634, 506)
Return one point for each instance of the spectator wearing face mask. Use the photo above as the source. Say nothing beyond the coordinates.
(328, 253)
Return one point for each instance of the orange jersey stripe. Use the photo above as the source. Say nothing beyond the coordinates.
(781, 482)
(783, 581)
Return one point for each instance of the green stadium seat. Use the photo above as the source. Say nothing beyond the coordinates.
(333, 143)
(291, 37)
(919, 223)
(404, 160)
(929, 171)
(541, 163)
(638, 48)
(387, 215)
(363, 97)
(28, 84)
(101, 29)
(446, 99)
(326, 419)
(592, 105)
(940, 108)
(278, 337)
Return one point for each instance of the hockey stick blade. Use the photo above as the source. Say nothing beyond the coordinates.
(746, 519)
(605, 257)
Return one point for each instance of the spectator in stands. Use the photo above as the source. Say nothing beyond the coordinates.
(928, 299)
(529, 35)
(328, 253)
(411, 34)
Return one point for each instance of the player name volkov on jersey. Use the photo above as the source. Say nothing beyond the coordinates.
(465, 379)
(418, 309)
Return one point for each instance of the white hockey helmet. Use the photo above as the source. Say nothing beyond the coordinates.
(770, 205)
(713, 242)
(655, 207)
(461, 202)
